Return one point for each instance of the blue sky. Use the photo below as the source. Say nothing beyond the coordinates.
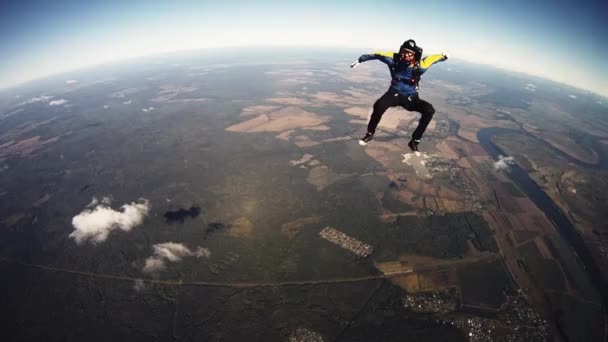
(562, 40)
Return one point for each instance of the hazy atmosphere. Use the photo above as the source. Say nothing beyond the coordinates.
(561, 40)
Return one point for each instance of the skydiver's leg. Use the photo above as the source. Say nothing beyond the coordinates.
(389, 99)
(425, 109)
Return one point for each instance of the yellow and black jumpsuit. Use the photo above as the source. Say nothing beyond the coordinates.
(403, 90)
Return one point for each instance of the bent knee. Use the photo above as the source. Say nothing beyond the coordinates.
(429, 111)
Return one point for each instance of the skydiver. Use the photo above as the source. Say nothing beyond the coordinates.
(406, 67)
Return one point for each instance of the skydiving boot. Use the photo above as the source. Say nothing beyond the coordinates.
(413, 144)
(367, 138)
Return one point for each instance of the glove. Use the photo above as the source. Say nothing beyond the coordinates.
(445, 55)
(354, 65)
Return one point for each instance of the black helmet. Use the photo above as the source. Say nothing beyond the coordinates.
(410, 44)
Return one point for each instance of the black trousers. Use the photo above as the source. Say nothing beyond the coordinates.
(412, 103)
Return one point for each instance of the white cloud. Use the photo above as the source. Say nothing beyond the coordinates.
(58, 102)
(171, 252)
(106, 107)
(39, 98)
(128, 102)
(71, 81)
(97, 220)
(154, 265)
(42, 98)
(599, 102)
(503, 163)
(145, 110)
(572, 96)
(139, 285)
(20, 110)
(530, 87)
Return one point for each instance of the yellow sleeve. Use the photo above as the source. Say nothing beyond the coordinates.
(427, 61)
(384, 53)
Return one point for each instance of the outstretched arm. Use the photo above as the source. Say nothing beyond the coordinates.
(427, 61)
(384, 56)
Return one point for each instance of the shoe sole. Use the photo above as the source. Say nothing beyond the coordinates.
(362, 143)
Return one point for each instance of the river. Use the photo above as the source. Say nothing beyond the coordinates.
(551, 210)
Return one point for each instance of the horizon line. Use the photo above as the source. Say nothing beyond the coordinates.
(177, 52)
